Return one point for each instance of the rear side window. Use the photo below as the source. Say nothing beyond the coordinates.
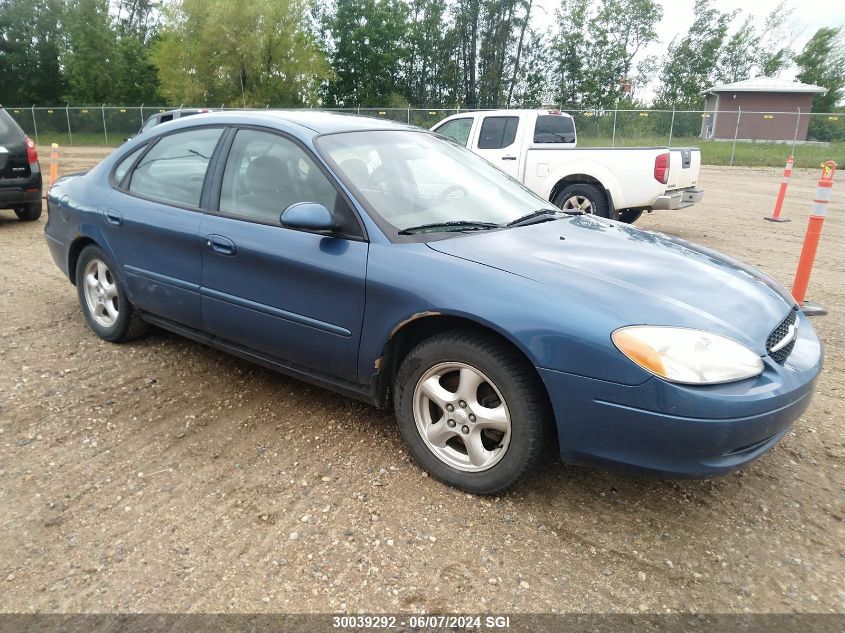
(552, 128)
(497, 132)
(457, 130)
(123, 166)
(174, 169)
(9, 130)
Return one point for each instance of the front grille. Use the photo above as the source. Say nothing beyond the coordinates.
(777, 336)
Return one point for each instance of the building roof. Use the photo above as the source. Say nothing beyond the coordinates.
(765, 84)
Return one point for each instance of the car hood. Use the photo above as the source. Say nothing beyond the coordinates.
(640, 277)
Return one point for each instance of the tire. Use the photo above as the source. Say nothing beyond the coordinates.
(103, 300)
(629, 216)
(462, 362)
(589, 198)
(29, 212)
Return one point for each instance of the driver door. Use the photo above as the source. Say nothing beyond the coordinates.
(291, 295)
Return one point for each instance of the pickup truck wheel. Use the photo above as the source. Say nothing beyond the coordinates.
(472, 411)
(583, 197)
(30, 212)
(629, 216)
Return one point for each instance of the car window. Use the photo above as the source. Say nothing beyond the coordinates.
(174, 169)
(457, 130)
(554, 128)
(9, 130)
(151, 122)
(497, 132)
(124, 165)
(266, 173)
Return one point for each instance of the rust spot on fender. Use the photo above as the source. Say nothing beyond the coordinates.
(401, 324)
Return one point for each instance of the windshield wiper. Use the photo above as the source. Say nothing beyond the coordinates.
(451, 225)
(540, 215)
(543, 215)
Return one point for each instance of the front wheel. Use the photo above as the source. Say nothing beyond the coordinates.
(472, 411)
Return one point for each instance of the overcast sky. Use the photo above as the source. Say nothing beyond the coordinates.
(678, 16)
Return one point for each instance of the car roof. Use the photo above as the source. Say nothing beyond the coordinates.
(316, 121)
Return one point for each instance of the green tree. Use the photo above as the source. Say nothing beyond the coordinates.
(251, 53)
(89, 54)
(691, 62)
(595, 48)
(30, 44)
(369, 48)
(427, 56)
(822, 63)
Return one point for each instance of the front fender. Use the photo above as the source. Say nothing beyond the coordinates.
(409, 281)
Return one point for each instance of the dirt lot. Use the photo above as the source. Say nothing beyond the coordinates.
(165, 476)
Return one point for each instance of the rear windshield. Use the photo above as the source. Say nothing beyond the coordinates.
(554, 128)
(9, 130)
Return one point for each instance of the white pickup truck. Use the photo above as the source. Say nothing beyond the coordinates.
(538, 148)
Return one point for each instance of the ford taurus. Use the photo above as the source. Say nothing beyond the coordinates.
(390, 264)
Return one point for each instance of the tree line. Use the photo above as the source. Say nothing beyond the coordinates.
(347, 53)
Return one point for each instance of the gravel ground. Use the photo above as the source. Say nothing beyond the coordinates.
(165, 476)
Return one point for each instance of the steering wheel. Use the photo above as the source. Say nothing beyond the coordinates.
(446, 193)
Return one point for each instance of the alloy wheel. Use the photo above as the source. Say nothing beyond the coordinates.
(462, 417)
(100, 290)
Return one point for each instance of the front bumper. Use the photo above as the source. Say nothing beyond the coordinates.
(682, 431)
(679, 199)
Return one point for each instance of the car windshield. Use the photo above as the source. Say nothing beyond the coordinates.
(415, 180)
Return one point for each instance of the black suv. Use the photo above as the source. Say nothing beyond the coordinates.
(20, 174)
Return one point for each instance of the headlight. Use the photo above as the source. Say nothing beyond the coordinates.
(687, 356)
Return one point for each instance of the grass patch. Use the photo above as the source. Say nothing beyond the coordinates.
(746, 155)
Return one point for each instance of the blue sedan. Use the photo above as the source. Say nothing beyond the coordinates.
(384, 262)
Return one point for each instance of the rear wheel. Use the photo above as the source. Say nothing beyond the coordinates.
(29, 212)
(584, 197)
(472, 411)
(103, 300)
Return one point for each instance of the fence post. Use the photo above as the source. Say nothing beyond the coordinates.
(142, 115)
(67, 115)
(409, 114)
(615, 112)
(34, 124)
(105, 130)
(795, 136)
(736, 132)
(672, 126)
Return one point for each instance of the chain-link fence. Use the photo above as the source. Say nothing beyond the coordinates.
(728, 137)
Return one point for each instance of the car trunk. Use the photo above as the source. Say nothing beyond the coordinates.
(13, 160)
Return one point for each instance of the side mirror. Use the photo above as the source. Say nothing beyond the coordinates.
(308, 216)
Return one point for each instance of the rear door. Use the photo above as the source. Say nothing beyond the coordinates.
(499, 140)
(152, 222)
(14, 165)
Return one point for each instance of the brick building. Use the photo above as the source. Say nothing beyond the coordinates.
(766, 109)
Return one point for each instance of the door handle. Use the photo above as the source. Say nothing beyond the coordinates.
(221, 245)
(113, 217)
(508, 157)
